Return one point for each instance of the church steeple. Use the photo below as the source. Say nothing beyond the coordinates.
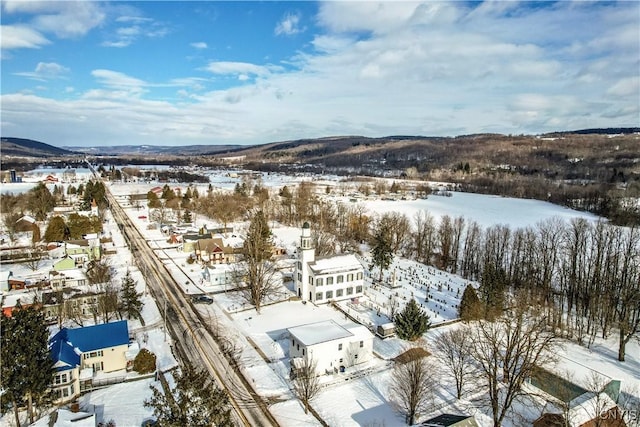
(306, 255)
(305, 237)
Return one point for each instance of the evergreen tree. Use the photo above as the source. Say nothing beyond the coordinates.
(256, 270)
(130, 303)
(493, 285)
(152, 200)
(194, 401)
(470, 305)
(167, 193)
(186, 217)
(411, 322)
(80, 224)
(94, 190)
(382, 252)
(56, 230)
(40, 201)
(27, 368)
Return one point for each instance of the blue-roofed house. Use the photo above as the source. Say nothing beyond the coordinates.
(81, 353)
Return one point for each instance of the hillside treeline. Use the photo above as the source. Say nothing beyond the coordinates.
(592, 172)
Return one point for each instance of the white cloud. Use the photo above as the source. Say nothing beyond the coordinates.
(133, 19)
(629, 86)
(378, 69)
(45, 71)
(230, 67)
(19, 36)
(289, 25)
(198, 45)
(120, 81)
(70, 19)
(133, 28)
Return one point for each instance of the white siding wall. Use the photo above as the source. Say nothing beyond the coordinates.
(338, 291)
(328, 355)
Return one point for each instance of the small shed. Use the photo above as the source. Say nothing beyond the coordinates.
(386, 330)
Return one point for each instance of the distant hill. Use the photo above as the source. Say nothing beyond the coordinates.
(155, 150)
(21, 147)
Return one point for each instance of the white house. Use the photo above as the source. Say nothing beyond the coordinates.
(221, 275)
(332, 347)
(321, 280)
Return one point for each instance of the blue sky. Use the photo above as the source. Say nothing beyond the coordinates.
(205, 72)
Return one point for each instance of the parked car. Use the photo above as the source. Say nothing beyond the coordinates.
(202, 299)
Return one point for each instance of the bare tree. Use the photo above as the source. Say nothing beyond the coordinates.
(630, 404)
(99, 272)
(306, 384)
(34, 259)
(394, 307)
(506, 353)
(453, 349)
(599, 406)
(424, 237)
(627, 291)
(411, 388)
(324, 243)
(73, 311)
(108, 301)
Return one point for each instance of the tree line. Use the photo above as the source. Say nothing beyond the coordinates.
(586, 274)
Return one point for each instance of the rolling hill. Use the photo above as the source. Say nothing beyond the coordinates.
(21, 147)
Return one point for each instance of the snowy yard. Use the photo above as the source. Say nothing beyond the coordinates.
(359, 396)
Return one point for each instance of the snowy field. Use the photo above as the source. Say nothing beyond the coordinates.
(358, 397)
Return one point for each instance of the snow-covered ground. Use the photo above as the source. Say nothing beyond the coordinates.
(358, 397)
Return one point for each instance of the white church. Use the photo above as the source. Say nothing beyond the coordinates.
(320, 280)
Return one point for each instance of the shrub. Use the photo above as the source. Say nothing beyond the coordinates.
(145, 362)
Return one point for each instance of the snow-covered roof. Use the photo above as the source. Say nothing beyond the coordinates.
(584, 406)
(73, 273)
(10, 299)
(335, 264)
(315, 333)
(360, 332)
(66, 418)
(27, 218)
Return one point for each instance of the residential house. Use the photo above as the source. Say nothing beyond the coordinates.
(81, 353)
(26, 223)
(451, 420)
(219, 275)
(575, 402)
(83, 250)
(332, 347)
(10, 301)
(71, 303)
(212, 248)
(67, 278)
(325, 279)
(66, 263)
